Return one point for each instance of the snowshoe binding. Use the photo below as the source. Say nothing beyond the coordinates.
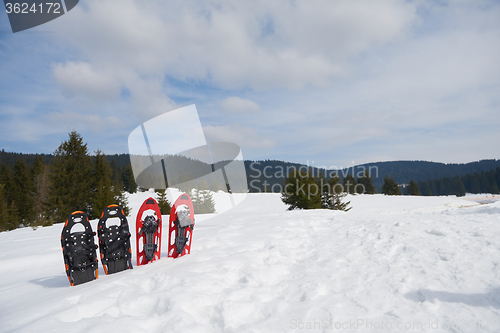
(149, 229)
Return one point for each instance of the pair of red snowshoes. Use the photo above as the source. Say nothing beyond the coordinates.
(149, 229)
(79, 248)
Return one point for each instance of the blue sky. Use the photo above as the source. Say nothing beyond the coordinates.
(329, 83)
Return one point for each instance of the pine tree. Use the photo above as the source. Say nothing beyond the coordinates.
(433, 188)
(116, 177)
(390, 187)
(23, 191)
(483, 181)
(203, 202)
(38, 167)
(423, 187)
(475, 186)
(13, 219)
(490, 175)
(327, 190)
(367, 183)
(458, 187)
(7, 180)
(497, 176)
(41, 196)
(163, 203)
(441, 187)
(494, 189)
(349, 183)
(103, 193)
(302, 191)
(70, 179)
(121, 199)
(413, 188)
(332, 194)
(207, 202)
(128, 179)
(4, 213)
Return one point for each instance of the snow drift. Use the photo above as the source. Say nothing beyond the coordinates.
(390, 264)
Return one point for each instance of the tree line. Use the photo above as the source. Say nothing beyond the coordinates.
(478, 182)
(46, 193)
(269, 175)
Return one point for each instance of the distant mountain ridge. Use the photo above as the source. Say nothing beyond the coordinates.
(275, 172)
(402, 171)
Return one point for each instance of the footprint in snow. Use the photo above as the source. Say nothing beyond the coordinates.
(435, 233)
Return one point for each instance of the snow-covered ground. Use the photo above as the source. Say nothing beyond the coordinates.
(391, 264)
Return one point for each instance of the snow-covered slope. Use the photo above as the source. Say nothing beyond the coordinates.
(391, 264)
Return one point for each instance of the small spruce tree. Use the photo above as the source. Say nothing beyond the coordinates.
(203, 202)
(302, 191)
(390, 187)
(367, 183)
(332, 195)
(163, 203)
(413, 188)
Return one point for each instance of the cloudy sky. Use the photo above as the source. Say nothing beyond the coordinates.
(329, 83)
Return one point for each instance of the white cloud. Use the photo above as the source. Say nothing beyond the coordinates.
(148, 99)
(82, 122)
(243, 136)
(79, 78)
(235, 44)
(237, 104)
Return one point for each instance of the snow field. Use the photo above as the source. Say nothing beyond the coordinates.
(427, 264)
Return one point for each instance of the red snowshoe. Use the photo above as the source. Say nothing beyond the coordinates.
(148, 227)
(180, 231)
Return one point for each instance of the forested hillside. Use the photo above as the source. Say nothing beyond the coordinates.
(39, 189)
(34, 187)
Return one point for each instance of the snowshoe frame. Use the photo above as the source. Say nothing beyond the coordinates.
(180, 238)
(79, 250)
